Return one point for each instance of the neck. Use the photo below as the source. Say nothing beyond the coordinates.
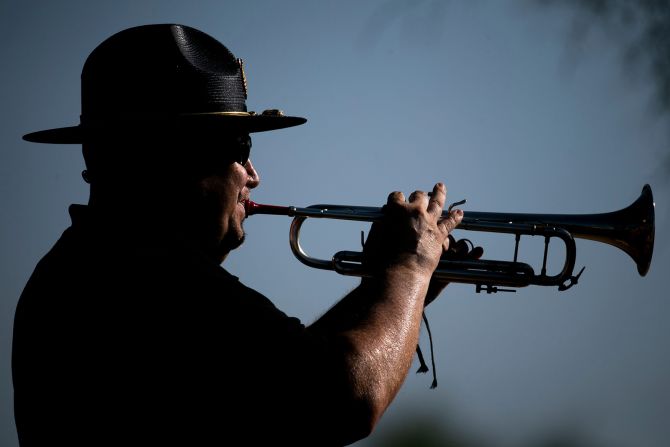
(168, 220)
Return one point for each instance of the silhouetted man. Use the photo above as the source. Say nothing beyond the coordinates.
(130, 332)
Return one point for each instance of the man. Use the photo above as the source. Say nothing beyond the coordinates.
(130, 332)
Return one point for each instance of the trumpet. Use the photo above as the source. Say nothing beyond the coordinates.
(630, 229)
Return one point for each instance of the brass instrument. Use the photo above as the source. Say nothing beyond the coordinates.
(630, 229)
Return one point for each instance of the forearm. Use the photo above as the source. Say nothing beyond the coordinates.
(379, 324)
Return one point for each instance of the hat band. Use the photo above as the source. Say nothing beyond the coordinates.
(103, 121)
(155, 116)
(219, 113)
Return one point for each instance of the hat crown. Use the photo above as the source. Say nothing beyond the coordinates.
(155, 78)
(158, 70)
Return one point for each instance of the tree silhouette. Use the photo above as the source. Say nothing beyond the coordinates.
(423, 429)
(641, 31)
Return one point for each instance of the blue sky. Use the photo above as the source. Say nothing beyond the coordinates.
(493, 98)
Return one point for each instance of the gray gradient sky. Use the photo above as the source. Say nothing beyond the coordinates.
(492, 98)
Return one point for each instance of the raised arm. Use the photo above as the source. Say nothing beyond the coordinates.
(378, 322)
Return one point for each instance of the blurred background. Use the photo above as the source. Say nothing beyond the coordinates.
(553, 106)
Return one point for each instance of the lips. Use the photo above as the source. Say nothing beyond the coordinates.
(242, 203)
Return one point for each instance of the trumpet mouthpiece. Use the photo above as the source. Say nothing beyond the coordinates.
(251, 208)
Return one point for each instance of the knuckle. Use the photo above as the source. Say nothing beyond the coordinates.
(436, 202)
(449, 224)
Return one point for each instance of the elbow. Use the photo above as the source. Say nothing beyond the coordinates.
(359, 420)
(360, 392)
(366, 403)
(355, 410)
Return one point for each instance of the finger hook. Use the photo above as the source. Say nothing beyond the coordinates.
(461, 202)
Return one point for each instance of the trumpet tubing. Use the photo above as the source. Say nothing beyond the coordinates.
(630, 229)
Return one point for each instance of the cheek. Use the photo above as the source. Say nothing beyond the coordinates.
(220, 198)
(211, 203)
(227, 182)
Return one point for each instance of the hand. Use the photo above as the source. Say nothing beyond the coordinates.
(455, 250)
(412, 234)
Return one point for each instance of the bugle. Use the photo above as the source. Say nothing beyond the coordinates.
(630, 229)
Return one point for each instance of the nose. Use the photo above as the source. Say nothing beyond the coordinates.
(253, 179)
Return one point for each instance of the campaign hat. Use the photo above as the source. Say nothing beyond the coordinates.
(154, 78)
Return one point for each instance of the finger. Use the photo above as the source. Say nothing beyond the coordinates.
(437, 199)
(447, 244)
(419, 198)
(451, 222)
(396, 197)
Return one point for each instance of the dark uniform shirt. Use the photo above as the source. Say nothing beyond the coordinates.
(127, 336)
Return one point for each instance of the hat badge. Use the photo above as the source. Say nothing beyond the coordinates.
(240, 62)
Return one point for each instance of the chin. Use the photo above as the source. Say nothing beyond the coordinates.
(239, 241)
(232, 241)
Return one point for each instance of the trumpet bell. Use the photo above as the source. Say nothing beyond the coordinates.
(631, 229)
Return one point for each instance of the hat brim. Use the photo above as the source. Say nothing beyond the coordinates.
(211, 123)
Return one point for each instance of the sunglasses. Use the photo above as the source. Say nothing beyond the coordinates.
(218, 151)
(239, 149)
